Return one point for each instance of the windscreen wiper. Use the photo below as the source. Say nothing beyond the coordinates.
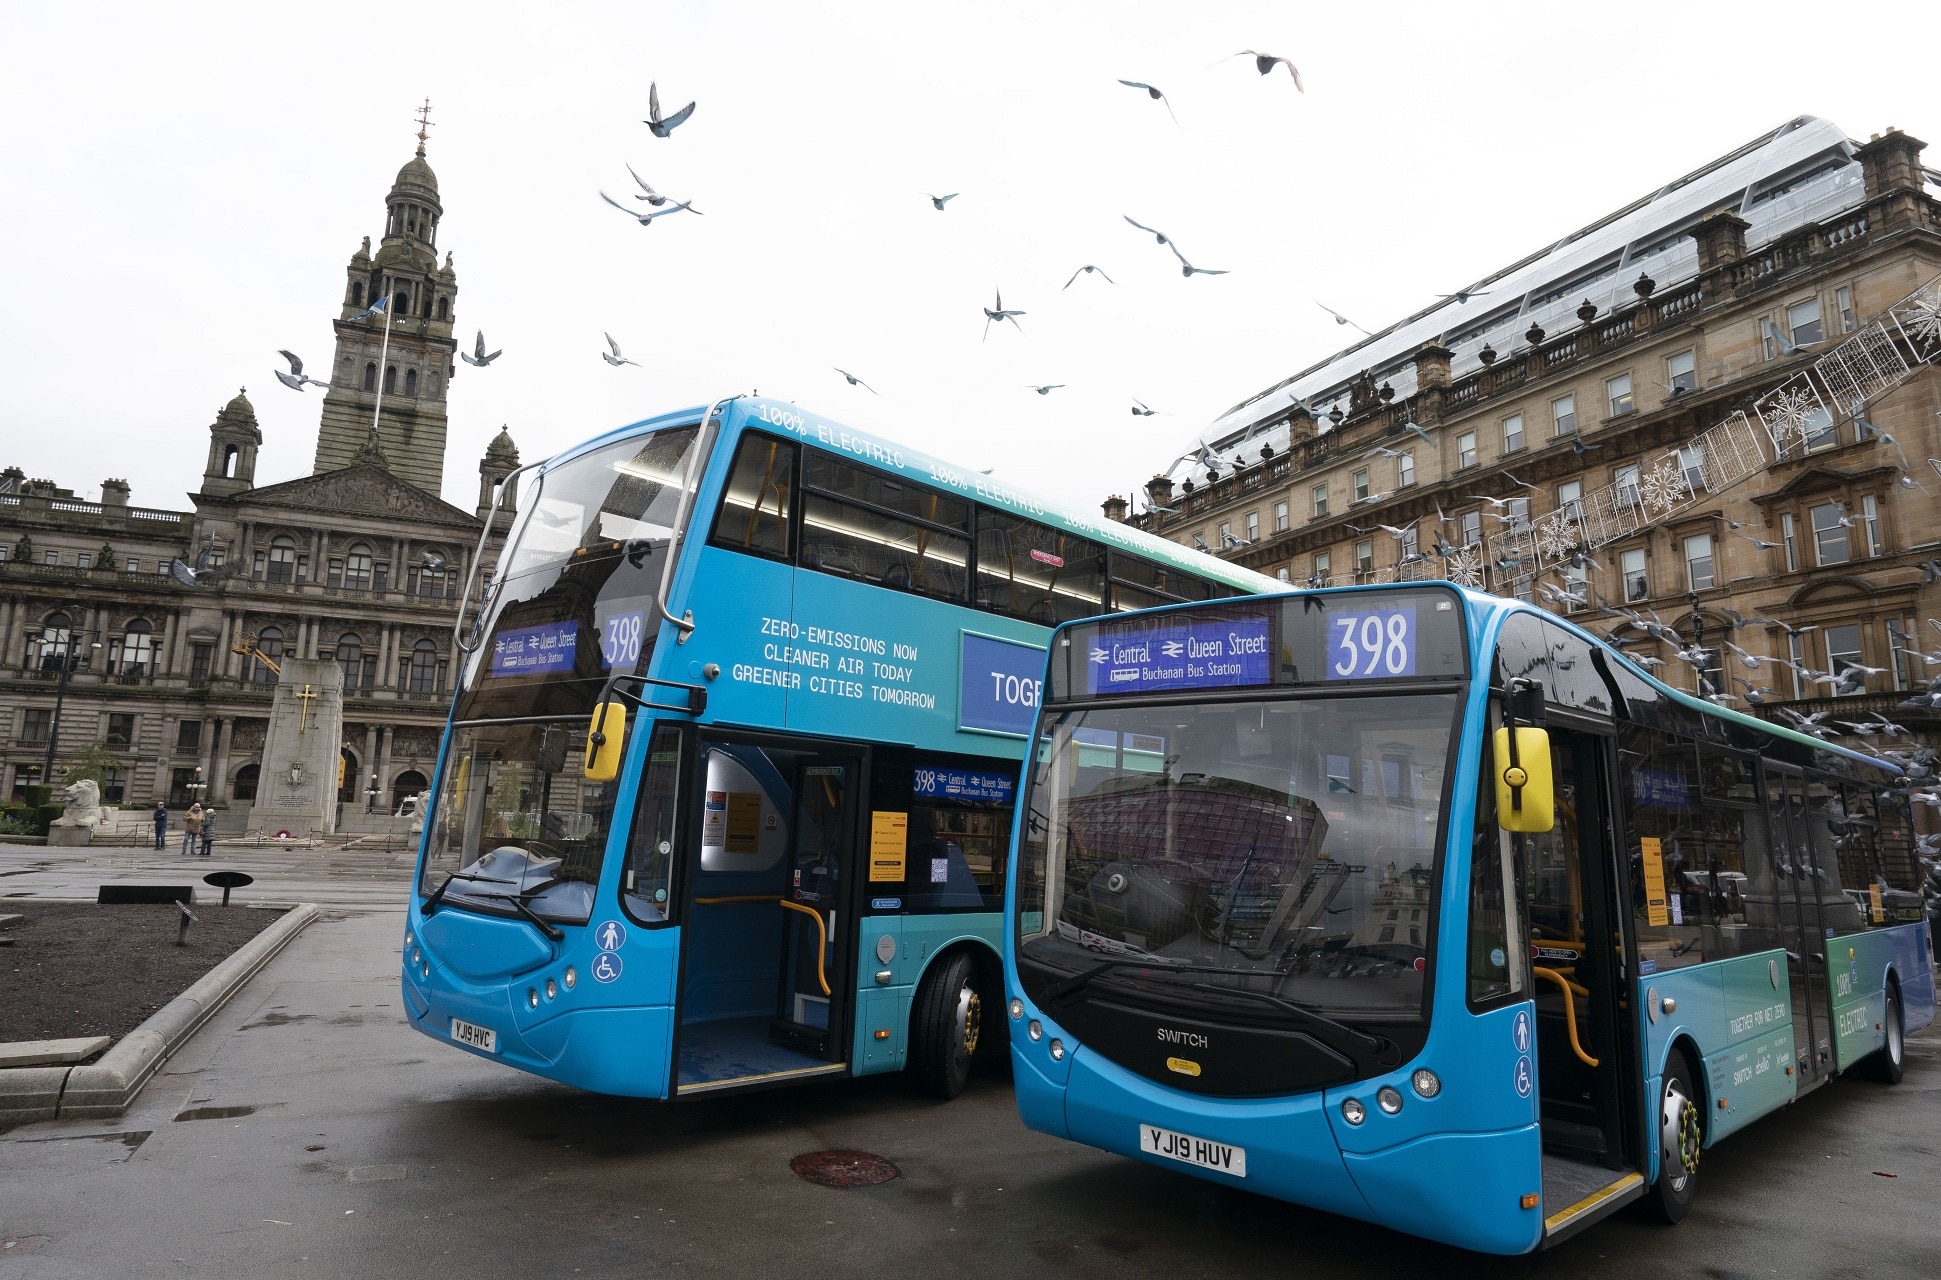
(1380, 1046)
(438, 894)
(1083, 977)
(519, 904)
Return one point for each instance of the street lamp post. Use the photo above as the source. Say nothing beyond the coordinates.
(67, 660)
(370, 794)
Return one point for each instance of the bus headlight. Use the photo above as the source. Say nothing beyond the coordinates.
(552, 989)
(1057, 1048)
(1036, 1030)
(1389, 1099)
(532, 998)
(1426, 1082)
(570, 976)
(1017, 1009)
(1353, 1112)
(417, 957)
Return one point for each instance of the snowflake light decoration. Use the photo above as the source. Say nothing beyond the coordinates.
(1465, 568)
(1557, 534)
(1788, 416)
(1922, 321)
(1664, 487)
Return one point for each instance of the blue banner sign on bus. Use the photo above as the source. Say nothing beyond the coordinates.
(531, 651)
(963, 784)
(1227, 653)
(1373, 644)
(1002, 683)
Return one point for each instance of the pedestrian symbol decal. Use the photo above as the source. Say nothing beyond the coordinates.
(610, 935)
(1520, 1031)
(1523, 1078)
(606, 967)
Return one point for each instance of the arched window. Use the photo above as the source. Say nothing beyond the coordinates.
(401, 305)
(283, 558)
(370, 377)
(357, 568)
(411, 382)
(441, 309)
(244, 788)
(349, 782)
(357, 293)
(56, 634)
(390, 379)
(137, 648)
(269, 642)
(409, 783)
(350, 656)
(424, 667)
(229, 455)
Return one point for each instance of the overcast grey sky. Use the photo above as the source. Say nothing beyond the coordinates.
(184, 183)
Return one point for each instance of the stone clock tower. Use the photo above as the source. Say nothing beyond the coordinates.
(395, 384)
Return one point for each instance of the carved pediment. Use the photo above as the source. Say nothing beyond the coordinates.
(360, 489)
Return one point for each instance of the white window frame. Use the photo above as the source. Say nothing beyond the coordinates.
(1513, 433)
(1405, 470)
(1618, 396)
(1319, 497)
(1466, 450)
(1797, 322)
(1280, 517)
(1832, 530)
(1870, 521)
(1789, 540)
(1253, 526)
(1632, 563)
(1709, 555)
(1843, 303)
(1358, 485)
(1563, 415)
(1685, 379)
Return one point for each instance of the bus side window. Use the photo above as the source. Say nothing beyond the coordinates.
(1839, 849)
(757, 500)
(1030, 571)
(1669, 841)
(1498, 956)
(645, 881)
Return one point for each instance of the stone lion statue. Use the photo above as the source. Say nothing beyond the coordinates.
(83, 801)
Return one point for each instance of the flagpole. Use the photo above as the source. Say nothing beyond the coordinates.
(383, 355)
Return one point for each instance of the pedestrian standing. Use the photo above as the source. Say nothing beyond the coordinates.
(191, 828)
(208, 830)
(161, 825)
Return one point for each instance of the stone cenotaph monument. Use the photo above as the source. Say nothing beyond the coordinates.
(298, 788)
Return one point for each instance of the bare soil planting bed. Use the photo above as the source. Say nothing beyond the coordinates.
(77, 969)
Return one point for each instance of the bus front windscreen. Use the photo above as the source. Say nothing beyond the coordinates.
(1254, 861)
(574, 600)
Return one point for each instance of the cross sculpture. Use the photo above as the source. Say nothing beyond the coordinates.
(303, 711)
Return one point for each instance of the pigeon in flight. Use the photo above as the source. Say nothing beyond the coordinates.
(614, 357)
(647, 219)
(1188, 270)
(480, 358)
(1341, 319)
(1155, 94)
(1154, 233)
(1464, 295)
(295, 379)
(197, 576)
(1779, 340)
(1088, 269)
(1001, 314)
(1264, 63)
(652, 197)
(434, 562)
(855, 381)
(661, 126)
(938, 202)
(1139, 409)
(1048, 388)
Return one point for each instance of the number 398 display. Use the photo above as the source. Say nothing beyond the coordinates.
(1375, 644)
(620, 638)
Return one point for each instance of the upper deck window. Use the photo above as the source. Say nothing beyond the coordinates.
(1031, 571)
(883, 530)
(759, 499)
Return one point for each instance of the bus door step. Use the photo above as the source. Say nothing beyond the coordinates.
(1569, 1138)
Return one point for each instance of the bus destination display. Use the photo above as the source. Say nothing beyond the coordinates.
(532, 651)
(1372, 644)
(1222, 653)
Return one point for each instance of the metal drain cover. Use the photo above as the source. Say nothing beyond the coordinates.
(843, 1168)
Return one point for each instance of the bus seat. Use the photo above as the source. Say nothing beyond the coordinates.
(896, 577)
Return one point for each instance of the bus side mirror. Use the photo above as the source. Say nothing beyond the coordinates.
(1526, 794)
(605, 736)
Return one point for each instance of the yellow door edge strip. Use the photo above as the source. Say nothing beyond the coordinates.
(1564, 1217)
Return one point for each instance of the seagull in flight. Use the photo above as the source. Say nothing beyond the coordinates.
(1139, 409)
(1464, 295)
(1048, 388)
(1155, 94)
(479, 356)
(1341, 319)
(647, 219)
(1088, 269)
(938, 202)
(1188, 270)
(652, 197)
(1153, 232)
(295, 379)
(1779, 340)
(662, 126)
(999, 313)
(855, 381)
(614, 357)
(1265, 62)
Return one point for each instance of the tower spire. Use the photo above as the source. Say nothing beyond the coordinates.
(424, 122)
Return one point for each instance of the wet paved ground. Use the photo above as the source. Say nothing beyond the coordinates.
(306, 1131)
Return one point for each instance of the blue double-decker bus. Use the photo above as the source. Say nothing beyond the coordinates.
(1425, 907)
(726, 792)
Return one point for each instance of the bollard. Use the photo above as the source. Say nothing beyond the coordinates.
(188, 916)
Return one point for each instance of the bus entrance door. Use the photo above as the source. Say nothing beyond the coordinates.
(1587, 1070)
(768, 937)
(1796, 890)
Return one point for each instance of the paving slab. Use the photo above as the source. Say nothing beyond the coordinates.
(47, 1053)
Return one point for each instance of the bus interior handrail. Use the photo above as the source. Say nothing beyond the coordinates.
(1570, 1011)
(478, 558)
(821, 928)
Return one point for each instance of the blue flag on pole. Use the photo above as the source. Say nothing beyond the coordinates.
(375, 309)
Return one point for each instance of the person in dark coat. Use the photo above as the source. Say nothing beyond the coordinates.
(161, 825)
(208, 830)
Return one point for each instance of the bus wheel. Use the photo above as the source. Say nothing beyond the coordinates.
(945, 1026)
(1886, 1064)
(1680, 1140)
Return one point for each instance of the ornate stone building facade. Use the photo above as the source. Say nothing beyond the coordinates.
(1718, 407)
(360, 562)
